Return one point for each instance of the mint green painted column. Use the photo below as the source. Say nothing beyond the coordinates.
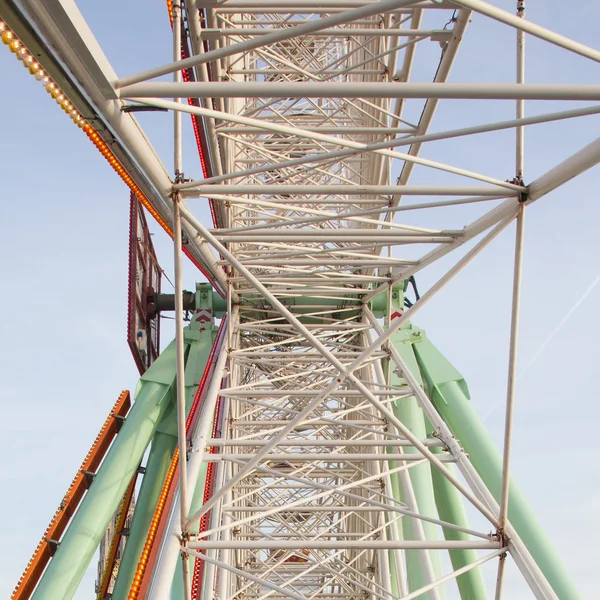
(448, 392)
(159, 459)
(451, 508)
(85, 531)
(411, 414)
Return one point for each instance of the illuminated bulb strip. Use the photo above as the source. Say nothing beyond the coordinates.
(22, 54)
(15, 46)
(42, 553)
(153, 530)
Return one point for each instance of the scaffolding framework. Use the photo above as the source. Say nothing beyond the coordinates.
(307, 440)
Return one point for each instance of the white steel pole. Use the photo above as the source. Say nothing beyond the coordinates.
(512, 368)
(181, 416)
(163, 574)
(519, 166)
(179, 336)
(311, 89)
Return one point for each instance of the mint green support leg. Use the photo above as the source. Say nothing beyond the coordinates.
(451, 509)
(450, 396)
(159, 459)
(83, 535)
(410, 413)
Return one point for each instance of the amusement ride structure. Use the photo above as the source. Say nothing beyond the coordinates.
(300, 437)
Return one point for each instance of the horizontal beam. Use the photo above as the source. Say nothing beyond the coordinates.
(212, 34)
(293, 457)
(322, 443)
(336, 545)
(336, 508)
(352, 190)
(333, 262)
(323, 129)
(452, 91)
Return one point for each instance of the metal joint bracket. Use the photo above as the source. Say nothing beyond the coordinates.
(119, 420)
(88, 478)
(53, 545)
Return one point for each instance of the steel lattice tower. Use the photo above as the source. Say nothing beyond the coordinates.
(305, 437)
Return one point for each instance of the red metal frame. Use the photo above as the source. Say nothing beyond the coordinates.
(45, 549)
(145, 274)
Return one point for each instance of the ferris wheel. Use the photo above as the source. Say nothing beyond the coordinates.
(342, 163)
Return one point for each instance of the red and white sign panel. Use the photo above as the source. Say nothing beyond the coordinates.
(143, 323)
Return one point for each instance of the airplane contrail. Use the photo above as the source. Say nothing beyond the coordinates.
(547, 341)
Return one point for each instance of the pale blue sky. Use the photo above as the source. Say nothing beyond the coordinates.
(63, 259)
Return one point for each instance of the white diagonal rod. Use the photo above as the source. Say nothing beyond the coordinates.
(502, 213)
(317, 564)
(454, 574)
(335, 141)
(398, 142)
(325, 216)
(263, 582)
(287, 33)
(512, 368)
(311, 89)
(528, 567)
(527, 26)
(431, 292)
(576, 164)
(251, 464)
(390, 505)
(345, 373)
(462, 19)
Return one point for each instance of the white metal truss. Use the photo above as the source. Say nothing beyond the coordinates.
(311, 152)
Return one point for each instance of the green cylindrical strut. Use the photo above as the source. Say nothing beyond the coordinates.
(451, 509)
(159, 459)
(450, 397)
(410, 413)
(83, 535)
